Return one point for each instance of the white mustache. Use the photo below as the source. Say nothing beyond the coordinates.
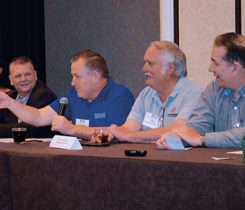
(148, 74)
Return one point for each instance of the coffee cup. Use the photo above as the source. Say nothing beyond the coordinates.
(19, 134)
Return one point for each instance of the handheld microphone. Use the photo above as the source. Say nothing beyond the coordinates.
(63, 102)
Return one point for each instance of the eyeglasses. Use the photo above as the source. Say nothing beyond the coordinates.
(161, 117)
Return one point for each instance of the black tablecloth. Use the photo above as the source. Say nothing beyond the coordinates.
(39, 177)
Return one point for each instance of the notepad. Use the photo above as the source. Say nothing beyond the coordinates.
(174, 143)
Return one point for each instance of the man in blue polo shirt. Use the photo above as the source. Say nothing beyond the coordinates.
(94, 101)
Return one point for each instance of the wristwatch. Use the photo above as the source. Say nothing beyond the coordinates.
(202, 137)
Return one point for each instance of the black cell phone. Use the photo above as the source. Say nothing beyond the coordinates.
(140, 153)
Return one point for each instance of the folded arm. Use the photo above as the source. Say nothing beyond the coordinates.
(226, 139)
(130, 132)
(189, 135)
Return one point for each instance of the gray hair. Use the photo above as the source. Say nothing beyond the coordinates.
(172, 53)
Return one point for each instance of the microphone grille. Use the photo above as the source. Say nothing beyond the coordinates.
(64, 100)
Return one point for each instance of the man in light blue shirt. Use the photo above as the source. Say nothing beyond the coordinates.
(168, 100)
(219, 119)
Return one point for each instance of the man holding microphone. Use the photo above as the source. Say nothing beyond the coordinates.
(94, 101)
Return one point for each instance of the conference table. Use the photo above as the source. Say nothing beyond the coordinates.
(36, 176)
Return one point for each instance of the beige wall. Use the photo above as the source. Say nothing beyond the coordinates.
(200, 21)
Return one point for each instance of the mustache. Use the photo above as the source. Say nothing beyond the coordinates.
(148, 74)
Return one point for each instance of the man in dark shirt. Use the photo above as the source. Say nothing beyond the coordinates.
(28, 90)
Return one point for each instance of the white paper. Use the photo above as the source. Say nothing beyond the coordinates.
(10, 140)
(39, 139)
(223, 158)
(235, 152)
(65, 142)
(6, 140)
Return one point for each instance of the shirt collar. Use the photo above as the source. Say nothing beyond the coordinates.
(105, 91)
(24, 100)
(240, 92)
(173, 93)
(177, 87)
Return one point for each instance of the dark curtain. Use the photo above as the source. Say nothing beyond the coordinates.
(22, 32)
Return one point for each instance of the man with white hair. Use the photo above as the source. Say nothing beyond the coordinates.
(168, 100)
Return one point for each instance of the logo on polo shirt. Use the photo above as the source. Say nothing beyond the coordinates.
(172, 110)
(99, 115)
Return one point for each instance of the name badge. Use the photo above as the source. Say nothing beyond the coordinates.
(82, 122)
(151, 120)
(65, 142)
